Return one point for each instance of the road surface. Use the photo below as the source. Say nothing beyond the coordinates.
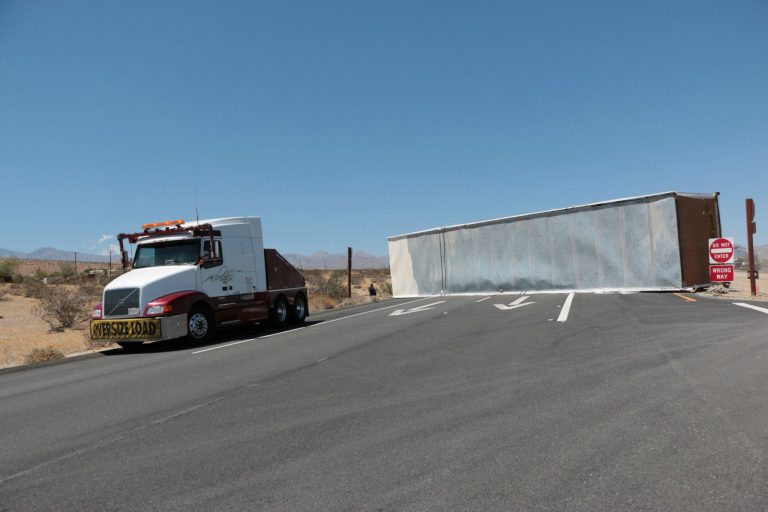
(548, 402)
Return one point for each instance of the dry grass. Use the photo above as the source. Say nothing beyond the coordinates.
(42, 355)
(328, 288)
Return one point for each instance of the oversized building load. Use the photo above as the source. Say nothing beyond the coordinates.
(649, 243)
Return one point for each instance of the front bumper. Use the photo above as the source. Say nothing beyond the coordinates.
(139, 330)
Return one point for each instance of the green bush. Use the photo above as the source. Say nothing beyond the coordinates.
(67, 269)
(9, 268)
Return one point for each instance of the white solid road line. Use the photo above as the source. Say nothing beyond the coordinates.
(481, 300)
(566, 308)
(750, 306)
(302, 328)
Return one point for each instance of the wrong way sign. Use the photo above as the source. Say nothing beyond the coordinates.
(721, 273)
(721, 250)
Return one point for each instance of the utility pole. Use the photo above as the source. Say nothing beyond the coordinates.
(109, 272)
(751, 230)
(76, 275)
(349, 272)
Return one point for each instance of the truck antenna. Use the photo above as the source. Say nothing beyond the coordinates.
(194, 185)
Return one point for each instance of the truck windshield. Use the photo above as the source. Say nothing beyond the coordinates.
(185, 252)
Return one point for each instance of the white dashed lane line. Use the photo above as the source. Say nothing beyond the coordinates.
(566, 309)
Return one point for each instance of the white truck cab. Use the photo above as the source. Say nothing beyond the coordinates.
(187, 279)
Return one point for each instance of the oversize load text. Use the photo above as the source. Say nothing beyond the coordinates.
(125, 329)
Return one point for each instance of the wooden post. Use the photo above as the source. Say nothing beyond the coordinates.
(349, 272)
(751, 230)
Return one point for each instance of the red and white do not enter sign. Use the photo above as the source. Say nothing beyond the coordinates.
(721, 250)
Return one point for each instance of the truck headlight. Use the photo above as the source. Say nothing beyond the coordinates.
(157, 309)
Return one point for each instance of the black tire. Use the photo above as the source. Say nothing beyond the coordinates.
(199, 324)
(299, 310)
(278, 315)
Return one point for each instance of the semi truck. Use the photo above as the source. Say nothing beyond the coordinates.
(188, 279)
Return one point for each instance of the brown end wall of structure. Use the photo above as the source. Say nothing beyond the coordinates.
(698, 220)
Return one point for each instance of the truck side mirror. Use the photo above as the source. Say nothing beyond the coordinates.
(211, 263)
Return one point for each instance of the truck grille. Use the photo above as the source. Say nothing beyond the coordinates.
(118, 302)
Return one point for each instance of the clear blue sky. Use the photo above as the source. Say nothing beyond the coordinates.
(341, 123)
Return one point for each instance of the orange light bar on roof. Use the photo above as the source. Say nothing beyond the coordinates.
(151, 225)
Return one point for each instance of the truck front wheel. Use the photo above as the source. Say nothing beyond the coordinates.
(199, 324)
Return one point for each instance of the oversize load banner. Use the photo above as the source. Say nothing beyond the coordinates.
(721, 273)
(140, 328)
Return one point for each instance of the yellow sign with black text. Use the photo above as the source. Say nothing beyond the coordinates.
(125, 329)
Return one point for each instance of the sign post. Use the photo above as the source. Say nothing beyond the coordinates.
(751, 230)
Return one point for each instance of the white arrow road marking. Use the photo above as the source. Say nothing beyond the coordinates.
(566, 309)
(419, 309)
(750, 306)
(515, 304)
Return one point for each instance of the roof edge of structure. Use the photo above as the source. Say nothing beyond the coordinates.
(548, 213)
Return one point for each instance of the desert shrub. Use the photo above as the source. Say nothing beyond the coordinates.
(385, 288)
(9, 268)
(91, 290)
(63, 307)
(41, 355)
(34, 289)
(40, 274)
(333, 286)
(3, 295)
(67, 269)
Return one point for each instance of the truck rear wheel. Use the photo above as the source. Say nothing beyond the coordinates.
(299, 310)
(199, 324)
(278, 315)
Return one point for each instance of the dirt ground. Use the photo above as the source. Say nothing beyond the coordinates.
(740, 288)
(22, 330)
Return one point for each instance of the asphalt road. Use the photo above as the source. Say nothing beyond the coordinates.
(618, 402)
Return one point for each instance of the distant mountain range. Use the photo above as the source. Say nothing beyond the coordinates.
(49, 253)
(318, 260)
(360, 259)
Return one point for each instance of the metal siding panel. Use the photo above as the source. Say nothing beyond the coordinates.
(584, 249)
(610, 238)
(637, 244)
(563, 268)
(666, 246)
(539, 250)
(425, 258)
